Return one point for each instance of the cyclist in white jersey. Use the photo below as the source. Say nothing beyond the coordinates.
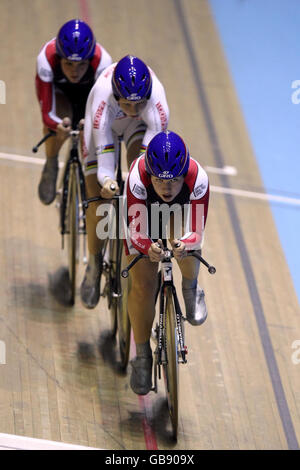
(128, 100)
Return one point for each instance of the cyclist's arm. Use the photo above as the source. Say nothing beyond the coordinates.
(137, 213)
(45, 87)
(101, 112)
(45, 96)
(105, 153)
(198, 214)
(101, 60)
(156, 113)
(197, 181)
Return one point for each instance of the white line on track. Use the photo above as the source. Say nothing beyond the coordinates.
(226, 170)
(24, 159)
(217, 189)
(11, 442)
(255, 195)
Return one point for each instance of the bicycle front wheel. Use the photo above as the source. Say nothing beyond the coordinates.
(170, 364)
(124, 327)
(72, 230)
(120, 322)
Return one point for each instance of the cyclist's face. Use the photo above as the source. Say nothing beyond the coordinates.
(167, 190)
(132, 108)
(74, 71)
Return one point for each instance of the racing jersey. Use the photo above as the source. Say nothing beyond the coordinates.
(141, 197)
(49, 76)
(104, 117)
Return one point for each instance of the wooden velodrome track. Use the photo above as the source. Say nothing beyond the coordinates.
(240, 388)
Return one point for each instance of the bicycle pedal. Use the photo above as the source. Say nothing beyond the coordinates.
(116, 295)
(154, 335)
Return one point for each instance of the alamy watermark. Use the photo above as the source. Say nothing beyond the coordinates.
(2, 353)
(148, 221)
(296, 353)
(296, 94)
(2, 92)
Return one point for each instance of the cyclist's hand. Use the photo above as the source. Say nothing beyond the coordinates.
(109, 188)
(81, 125)
(63, 129)
(179, 250)
(155, 252)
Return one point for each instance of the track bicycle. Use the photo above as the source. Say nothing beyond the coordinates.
(115, 288)
(168, 333)
(69, 200)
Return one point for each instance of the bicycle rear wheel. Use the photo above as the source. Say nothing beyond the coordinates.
(114, 287)
(72, 218)
(120, 322)
(170, 365)
(124, 327)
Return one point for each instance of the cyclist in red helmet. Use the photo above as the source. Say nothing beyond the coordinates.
(67, 68)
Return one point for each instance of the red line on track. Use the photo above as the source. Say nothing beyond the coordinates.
(84, 11)
(145, 405)
(144, 401)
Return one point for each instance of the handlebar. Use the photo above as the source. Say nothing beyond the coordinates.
(100, 198)
(168, 255)
(46, 137)
(73, 132)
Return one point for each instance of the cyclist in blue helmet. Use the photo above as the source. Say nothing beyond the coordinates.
(127, 102)
(167, 156)
(131, 79)
(67, 68)
(75, 41)
(165, 186)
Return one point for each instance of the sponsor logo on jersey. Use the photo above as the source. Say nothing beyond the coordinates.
(45, 73)
(138, 190)
(199, 190)
(98, 115)
(162, 115)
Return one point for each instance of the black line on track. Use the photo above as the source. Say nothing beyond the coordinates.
(282, 404)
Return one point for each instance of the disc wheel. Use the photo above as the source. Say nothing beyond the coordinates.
(72, 232)
(119, 314)
(170, 365)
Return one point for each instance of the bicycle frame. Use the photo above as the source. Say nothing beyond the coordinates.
(112, 253)
(167, 281)
(73, 160)
(169, 334)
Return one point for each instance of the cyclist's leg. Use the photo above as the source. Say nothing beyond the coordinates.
(141, 310)
(133, 138)
(193, 294)
(47, 185)
(90, 287)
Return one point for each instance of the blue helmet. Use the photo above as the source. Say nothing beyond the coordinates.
(75, 41)
(131, 79)
(167, 156)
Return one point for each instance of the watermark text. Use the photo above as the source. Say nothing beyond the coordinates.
(296, 94)
(296, 353)
(154, 220)
(2, 353)
(2, 92)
